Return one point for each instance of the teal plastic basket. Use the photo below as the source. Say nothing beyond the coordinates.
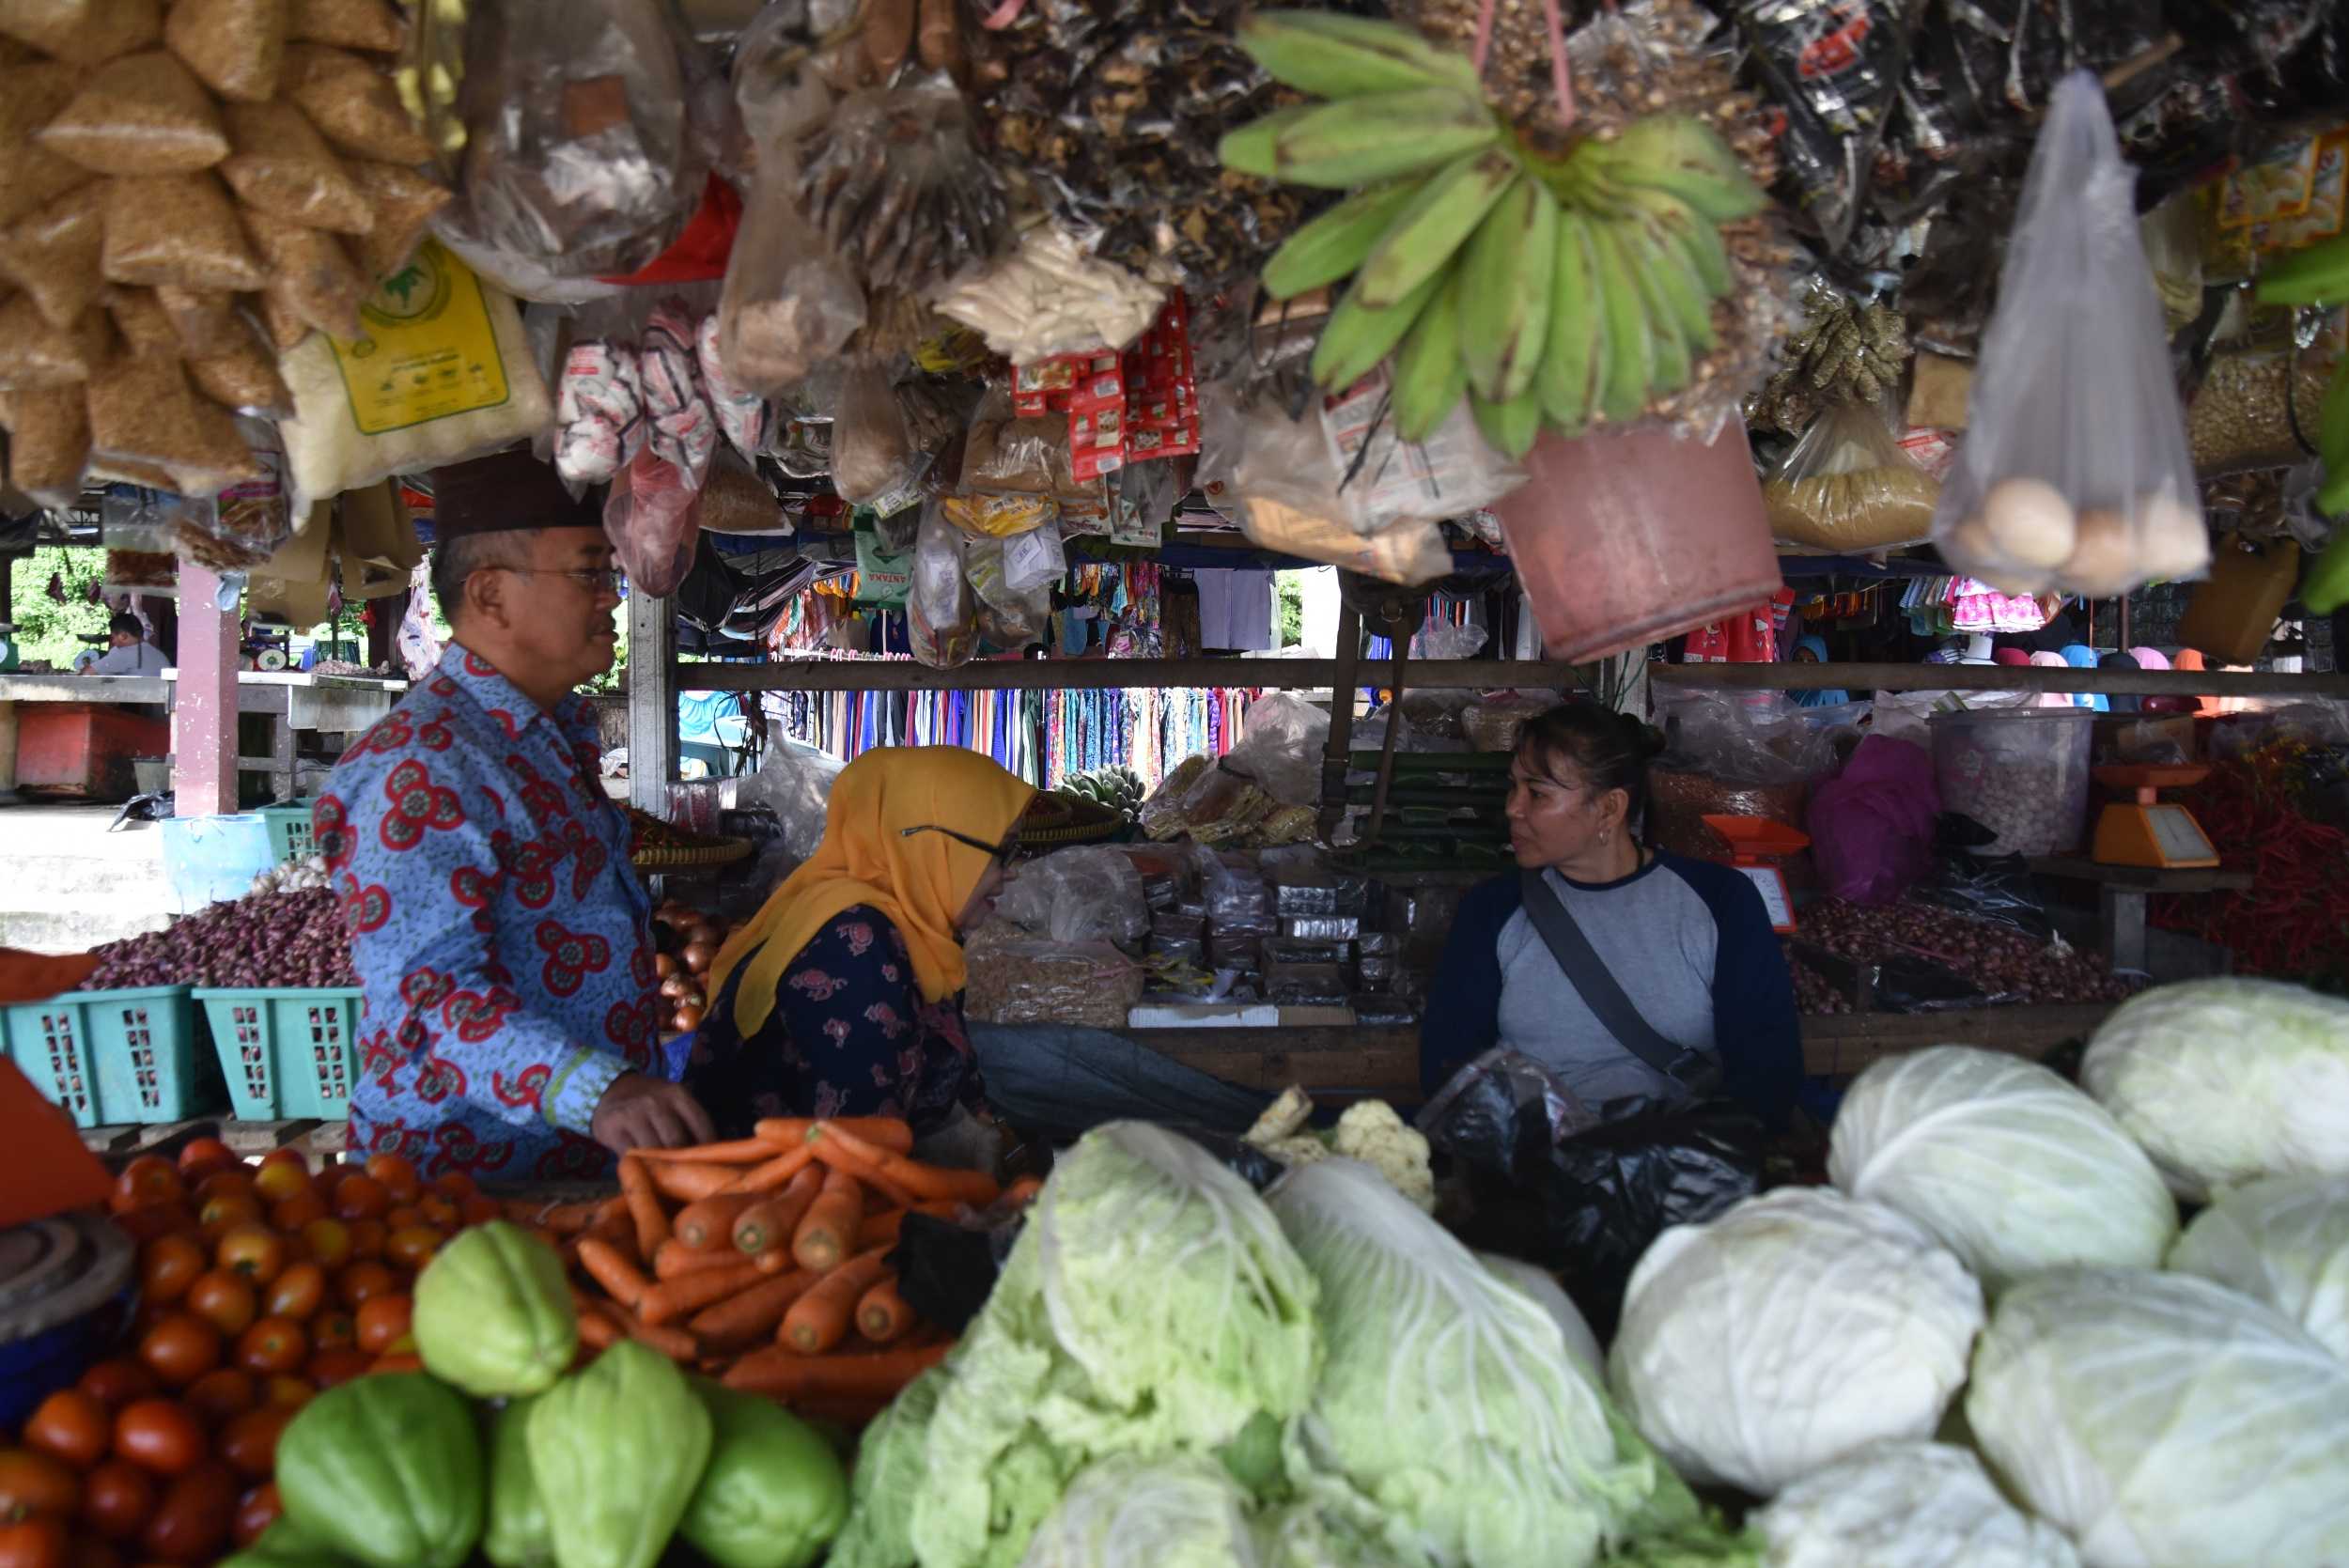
(289, 836)
(108, 1057)
(286, 1053)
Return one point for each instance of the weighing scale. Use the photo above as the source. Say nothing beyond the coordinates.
(2147, 831)
(1754, 842)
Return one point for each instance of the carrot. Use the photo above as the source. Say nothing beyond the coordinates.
(820, 1320)
(672, 1298)
(882, 1166)
(615, 1273)
(837, 1157)
(884, 1228)
(767, 1225)
(881, 1314)
(709, 1223)
(828, 1230)
(1021, 1192)
(644, 1205)
(780, 1373)
(691, 1184)
(676, 1343)
(741, 1151)
(773, 1174)
(748, 1316)
(675, 1260)
(597, 1331)
(885, 1132)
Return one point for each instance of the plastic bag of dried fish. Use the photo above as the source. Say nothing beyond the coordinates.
(894, 180)
(1845, 354)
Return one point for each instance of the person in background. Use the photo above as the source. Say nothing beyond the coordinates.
(842, 997)
(503, 942)
(1813, 650)
(1686, 945)
(127, 651)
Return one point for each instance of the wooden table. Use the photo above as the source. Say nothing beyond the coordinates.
(2121, 895)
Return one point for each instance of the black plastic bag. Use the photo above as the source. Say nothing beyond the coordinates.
(1999, 890)
(945, 1271)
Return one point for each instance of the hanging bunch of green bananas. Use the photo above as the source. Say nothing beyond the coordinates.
(1559, 290)
(2319, 276)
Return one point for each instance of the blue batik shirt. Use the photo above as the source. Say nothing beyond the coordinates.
(503, 943)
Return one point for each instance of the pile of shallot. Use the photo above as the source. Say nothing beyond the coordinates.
(688, 942)
(273, 941)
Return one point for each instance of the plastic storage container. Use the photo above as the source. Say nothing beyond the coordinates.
(108, 1057)
(289, 836)
(66, 1289)
(286, 1052)
(209, 859)
(2022, 772)
(1627, 537)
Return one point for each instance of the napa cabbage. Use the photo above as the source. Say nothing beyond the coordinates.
(2284, 1241)
(1128, 1512)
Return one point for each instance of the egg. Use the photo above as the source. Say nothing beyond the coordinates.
(2103, 563)
(1969, 548)
(2172, 542)
(2031, 521)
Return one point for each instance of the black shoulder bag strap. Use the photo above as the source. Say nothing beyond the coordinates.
(1696, 1071)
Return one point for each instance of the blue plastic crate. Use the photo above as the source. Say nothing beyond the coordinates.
(289, 836)
(111, 1057)
(286, 1052)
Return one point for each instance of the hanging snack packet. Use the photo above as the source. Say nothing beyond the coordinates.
(310, 274)
(144, 328)
(33, 354)
(30, 174)
(353, 103)
(179, 229)
(244, 379)
(598, 412)
(142, 411)
(284, 168)
(82, 32)
(48, 442)
(236, 46)
(2074, 472)
(741, 413)
(143, 113)
(368, 24)
(53, 253)
(205, 320)
(403, 203)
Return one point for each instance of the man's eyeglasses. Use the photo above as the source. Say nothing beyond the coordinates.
(595, 580)
(996, 852)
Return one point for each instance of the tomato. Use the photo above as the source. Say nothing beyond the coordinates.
(117, 1382)
(253, 1250)
(256, 1512)
(225, 1213)
(401, 1218)
(438, 1210)
(190, 1524)
(287, 1179)
(296, 1212)
(117, 1499)
(454, 1186)
(360, 1196)
(366, 1237)
(88, 1551)
(333, 1330)
(159, 1434)
(147, 1221)
(480, 1209)
(71, 1427)
(297, 1293)
(200, 1156)
(249, 1444)
(222, 1394)
(272, 1345)
(327, 1242)
(181, 1348)
(327, 1368)
(287, 1390)
(362, 1281)
(224, 1300)
(286, 1155)
(39, 1543)
(148, 1179)
(167, 1265)
(412, 1247)
(36, 1484)
(383, 1325)
(236, 1183)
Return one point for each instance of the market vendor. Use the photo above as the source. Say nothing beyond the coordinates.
(127, 651)
(503, 943)
(843, 995)
(1628, 971)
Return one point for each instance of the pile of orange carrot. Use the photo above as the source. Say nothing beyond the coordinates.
(765, 1261)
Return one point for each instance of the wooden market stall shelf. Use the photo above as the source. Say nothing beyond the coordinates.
(2122, 893)
(1033, 675)
(2000, 678)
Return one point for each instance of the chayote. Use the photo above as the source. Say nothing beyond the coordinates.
(493, 1313)
(517, 1535)
(773, 1495)
(386, 1470)
(285, 1544)
(618, 1448)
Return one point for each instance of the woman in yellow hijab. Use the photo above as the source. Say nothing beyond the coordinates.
(842, 997)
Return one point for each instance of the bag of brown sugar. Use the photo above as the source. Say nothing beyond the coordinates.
(179, 229)
(141, 409)
(236, 46)
(30, 177)
(34, 354)
(310, 272)
(353, 103)
(53, 253)
(144, 328)
(368, 24)
(283, 167)
(82, 32)
(142, 113)
(404, 202)
(48, 443)
(205, 320)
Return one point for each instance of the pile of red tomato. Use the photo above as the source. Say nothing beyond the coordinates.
(258, 1285)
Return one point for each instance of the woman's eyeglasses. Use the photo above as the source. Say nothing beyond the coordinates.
(997, 851)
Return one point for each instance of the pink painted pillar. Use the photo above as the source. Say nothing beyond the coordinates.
(204, 715)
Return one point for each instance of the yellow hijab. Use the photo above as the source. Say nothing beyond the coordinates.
(920, 882)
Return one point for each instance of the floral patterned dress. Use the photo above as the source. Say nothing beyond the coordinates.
(850, 1035)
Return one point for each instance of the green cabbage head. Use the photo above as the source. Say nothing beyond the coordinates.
(1128, 1512)
(2284, 1241)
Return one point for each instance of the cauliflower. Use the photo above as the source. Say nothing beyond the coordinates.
(1284, 1118)
(1372, 1132)
(1301, 1150)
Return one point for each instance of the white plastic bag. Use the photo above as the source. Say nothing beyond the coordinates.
(2074, 472)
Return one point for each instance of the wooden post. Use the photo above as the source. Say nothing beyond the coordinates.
(383, 633)
(203, 711)
(652, 743)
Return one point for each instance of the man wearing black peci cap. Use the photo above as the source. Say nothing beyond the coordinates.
(501, 941)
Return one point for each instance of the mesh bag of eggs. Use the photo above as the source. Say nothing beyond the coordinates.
(2074, 473)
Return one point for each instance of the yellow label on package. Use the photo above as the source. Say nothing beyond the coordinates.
(428, 350)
